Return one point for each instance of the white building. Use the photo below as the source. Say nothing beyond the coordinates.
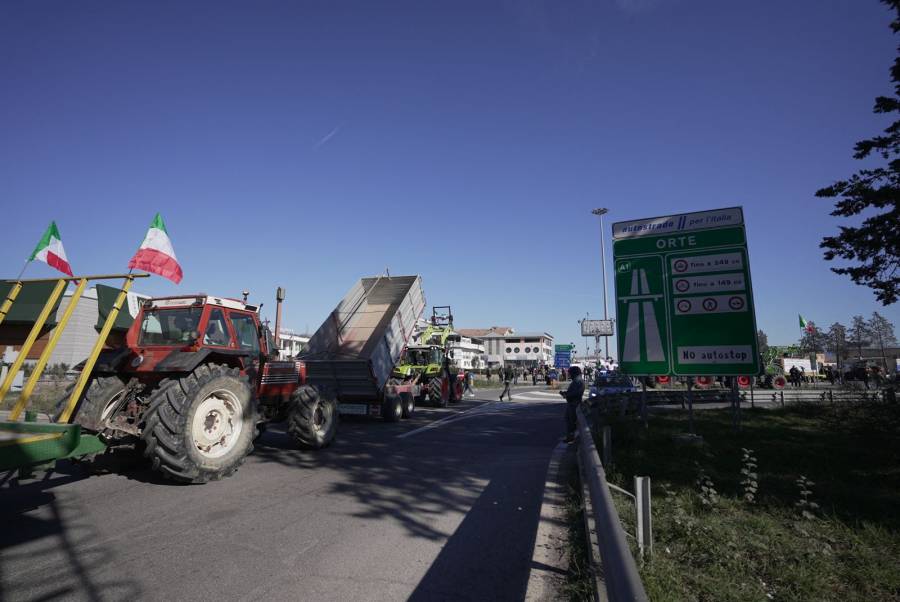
(503, 345)
(468, 353)
(82, 331)
(290, 343)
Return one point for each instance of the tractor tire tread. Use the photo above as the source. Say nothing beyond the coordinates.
(166, 422)
(301, 418)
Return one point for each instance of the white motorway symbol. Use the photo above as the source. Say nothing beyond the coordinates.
(640, 304)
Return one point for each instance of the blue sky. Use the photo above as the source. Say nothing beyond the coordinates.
(308, 144)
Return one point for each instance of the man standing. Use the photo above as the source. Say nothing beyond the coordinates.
(451, 378)
(507, 380)
(573, 396)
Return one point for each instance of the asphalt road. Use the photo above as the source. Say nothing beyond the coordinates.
(443, 506)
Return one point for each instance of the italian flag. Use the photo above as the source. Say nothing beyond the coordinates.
(805, 324)
(156, 254)
(50, 251)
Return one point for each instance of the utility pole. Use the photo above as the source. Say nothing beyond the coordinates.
(601, 211)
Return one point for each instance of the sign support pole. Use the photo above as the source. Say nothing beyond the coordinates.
(736, 403)
(690, 398)
(644, 400)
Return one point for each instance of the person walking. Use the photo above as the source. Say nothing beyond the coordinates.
(515, 376)
(534, 376)
(487, 373)
(573, 395)
(467, 381)
(507, 380)
(795, 376)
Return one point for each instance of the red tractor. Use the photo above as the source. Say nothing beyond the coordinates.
(195, 379)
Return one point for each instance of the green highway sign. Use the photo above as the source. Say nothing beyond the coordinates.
(683, 296)
(559, 348)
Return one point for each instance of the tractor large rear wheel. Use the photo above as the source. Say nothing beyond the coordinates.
(313, 420)
(200, 427)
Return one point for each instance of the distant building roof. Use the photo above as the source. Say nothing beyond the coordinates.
(480, 332)
(532, 335)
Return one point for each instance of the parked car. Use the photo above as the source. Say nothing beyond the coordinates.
(610, 383)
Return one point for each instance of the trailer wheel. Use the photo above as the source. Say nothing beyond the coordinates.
(200, 427)
(409, 404)
(313, 419)
(392, 408)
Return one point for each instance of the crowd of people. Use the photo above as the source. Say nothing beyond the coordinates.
(868, 375)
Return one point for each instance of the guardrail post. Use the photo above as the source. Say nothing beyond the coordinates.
(607, 446)
(781, 393)
(644, 522)
(620, 574)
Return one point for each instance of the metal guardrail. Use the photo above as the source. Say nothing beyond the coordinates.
(620, 573)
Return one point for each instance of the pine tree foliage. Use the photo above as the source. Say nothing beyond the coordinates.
(872, 248)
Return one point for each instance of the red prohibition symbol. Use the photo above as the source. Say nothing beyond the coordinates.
(682, 285)
(710, 304)
(684, 306)
(681, 265)
(736, 303)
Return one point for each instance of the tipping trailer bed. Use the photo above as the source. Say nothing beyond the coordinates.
(355, 349)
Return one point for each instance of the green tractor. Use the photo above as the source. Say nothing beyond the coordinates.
(422, 361)
(773, 376)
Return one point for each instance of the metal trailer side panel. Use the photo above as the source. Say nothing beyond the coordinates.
(355, 350)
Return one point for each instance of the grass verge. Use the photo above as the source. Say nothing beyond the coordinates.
(45, 397)
(718, 544)
(578, 586)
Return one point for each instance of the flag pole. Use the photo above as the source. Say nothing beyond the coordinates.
(19, 277)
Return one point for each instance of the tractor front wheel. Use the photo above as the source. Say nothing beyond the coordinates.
(200, 427)
(313, 420)
(439, 392)
(98, 404)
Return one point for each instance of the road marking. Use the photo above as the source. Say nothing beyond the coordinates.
(452, 418)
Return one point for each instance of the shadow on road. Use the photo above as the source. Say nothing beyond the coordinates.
(487, 469)
(28, 539)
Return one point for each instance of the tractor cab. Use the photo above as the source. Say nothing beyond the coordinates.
(176, 333)
(420, 359)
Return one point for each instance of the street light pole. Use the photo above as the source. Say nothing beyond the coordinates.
(600, 211)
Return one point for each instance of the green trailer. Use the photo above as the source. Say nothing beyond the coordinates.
(26, 444)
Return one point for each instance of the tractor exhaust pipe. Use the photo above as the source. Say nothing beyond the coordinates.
(279, 298)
